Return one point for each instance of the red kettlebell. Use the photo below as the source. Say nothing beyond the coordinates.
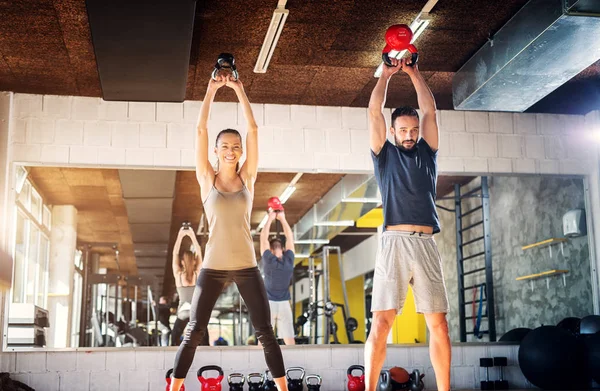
(274, 205)
(211, 383)
(398, 38)
(168, 378)
(356, 383)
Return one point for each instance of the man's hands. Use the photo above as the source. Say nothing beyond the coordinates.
(402, 64)
(281, 216)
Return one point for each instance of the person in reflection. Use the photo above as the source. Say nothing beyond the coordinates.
(278, 267)
(406, 172)
(185, 270)
(227, 192)
(164, 313)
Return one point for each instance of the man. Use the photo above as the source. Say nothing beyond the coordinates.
(278, 267)
(406, 172)
(164, 325)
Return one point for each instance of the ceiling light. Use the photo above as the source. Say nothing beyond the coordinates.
(266, 51)
(341, 223)
(287, 194)
(312, 241)
(301, 255)
(262, 222)
(363, 200)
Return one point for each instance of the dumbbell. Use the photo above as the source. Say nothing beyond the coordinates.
(236, 385)
(486, 363)
(356, 383)
(169, 379)
(295, 384)
(501, 384)
(211, 383)
(269, 383)
(255, 385)
(313, 386)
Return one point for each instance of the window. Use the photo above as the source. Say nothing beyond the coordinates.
(20, 261)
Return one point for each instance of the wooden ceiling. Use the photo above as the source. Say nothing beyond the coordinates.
(326, 54)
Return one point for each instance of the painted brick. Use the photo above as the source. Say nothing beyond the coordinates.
(8, 362)
(142, 111)
(188, 158)
(277, 115)
(191, 111)
(55, 106)
(23, 377)
(534, 147)
(338, 140)
(524, 166)
(472, 354)
(500, 165)
(31, 362)
(133, 381)
(125, 135)
(55, 154)
(27, 105)
(477, 122)
(304, 116)
(265, 139)
(476, 165)
(68, 132)
(111, 156)
(120, 361)
(74, 380)
(97, 134)
(510, 146)
(153, 135)
(556, 147)
(181, 136)
(167, 157)
(104, 381)
(113, 111)
(461, 145)
(314, 140)
(235, 360)
(525, 123)
(355, 162)
(354, 117)
(400, 357)
(329, 117)
(576, 167)
(548, 167)
(169, 112)
(486, 145)
(156, 379)
(550, 124)
(451, 164)
(258, 109)
(360, 141)
(26, 153)
(463, 378)
(18, 132)
(84, 108)
(272, 161)
(83, 155)
(501, 123)
(225, 112)
(444, 144)
(581, 146)
(327, 162)
(47, 381)
(457, 355)
(139, 157)
(452, 121)
(297, 161)
(420, 357)
(91, 361)
(40, 131)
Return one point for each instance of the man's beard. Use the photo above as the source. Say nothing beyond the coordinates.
(403, 148)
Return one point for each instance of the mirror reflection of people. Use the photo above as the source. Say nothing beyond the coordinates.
(227, 192)
(164, 325)
(186, 269)
(278, 268)
(406, 172)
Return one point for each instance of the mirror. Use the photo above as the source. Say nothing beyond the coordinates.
(93, 255)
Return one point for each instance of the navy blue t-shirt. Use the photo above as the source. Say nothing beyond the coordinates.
(407, 182)
(278, 274)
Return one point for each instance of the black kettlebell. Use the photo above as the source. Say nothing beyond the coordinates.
(416, 381)
(269, 383)
(385, 381)
(295, 384)
(236, 385)
(225, 65)
(255, 385)
(313, 386)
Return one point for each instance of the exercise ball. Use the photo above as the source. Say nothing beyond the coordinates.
(592, 344)
(515, 335)
(552, 358)
(399, 375)
(590, 324)
(570, 324)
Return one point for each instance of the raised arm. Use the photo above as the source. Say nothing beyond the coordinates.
(429, 127)
(264, 234)
(175, 260)
(250, 168)
(287, 230)
(204, 170)
(198, 250)
(377, 128)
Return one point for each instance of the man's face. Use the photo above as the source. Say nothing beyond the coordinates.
(276, 249)
(405, 130)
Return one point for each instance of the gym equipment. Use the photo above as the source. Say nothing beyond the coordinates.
(329, 308)
(186, 225)
(236, 385)
(168, 378)
(255, 385)
(552, 358)
(296, 383)
(515, 335)
(501, 384)
(356, 383)
(477, 319)
(592, 344)
(212, 383)
(385, 381)
(274, 205)
(590, 324)
(398, 38)
(316, 386)
(225, 65)
(269, 383)
(416, 381)
(351, 324)
(399, 375)
(486, 363)
(570, 324)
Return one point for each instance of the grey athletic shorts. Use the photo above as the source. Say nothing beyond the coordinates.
(405, 258)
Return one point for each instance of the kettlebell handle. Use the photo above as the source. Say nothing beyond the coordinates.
(413, 59)
(319, 380)
(210, 368)
(295, 369)
(236, 376)
(355, 367)
(255, 375)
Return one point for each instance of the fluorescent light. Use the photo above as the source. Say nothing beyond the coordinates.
(263, 222)
(287, 193)
(362, 200)
(301, 255)
(266, 51)
(312, 241)
(341, 223)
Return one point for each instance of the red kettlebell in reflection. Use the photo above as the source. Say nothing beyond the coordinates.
(356, 383)
(212, 383)
(274, 205)
(398, 38)
(168, 378)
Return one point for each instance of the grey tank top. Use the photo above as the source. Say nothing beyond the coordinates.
(230, 245)
(185, 294)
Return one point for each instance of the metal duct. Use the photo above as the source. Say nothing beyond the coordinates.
(543, 46)
(142, 47)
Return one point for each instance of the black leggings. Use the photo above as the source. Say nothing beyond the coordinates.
(179, 328)
(208, 288)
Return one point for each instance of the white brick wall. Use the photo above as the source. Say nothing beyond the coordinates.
(77, 131)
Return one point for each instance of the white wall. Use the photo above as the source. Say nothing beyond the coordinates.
(360, 259)
(6, 99)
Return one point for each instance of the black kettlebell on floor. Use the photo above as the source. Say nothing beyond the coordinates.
(385, 381)
(295, 384)
(255, 385)
(416, 381)
(313, 385)
(236, 385)
(269, 383)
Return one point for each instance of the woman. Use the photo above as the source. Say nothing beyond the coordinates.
(227, 194)
(186, 273)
